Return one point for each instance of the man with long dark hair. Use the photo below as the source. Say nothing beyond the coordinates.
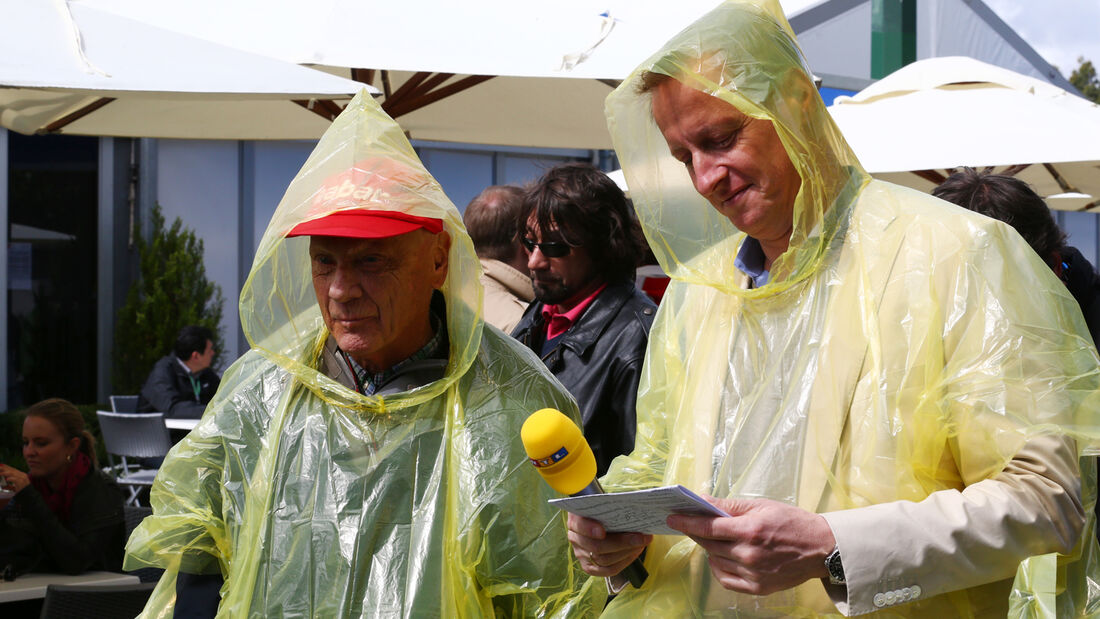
(588, 323)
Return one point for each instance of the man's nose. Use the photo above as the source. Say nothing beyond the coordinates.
(537, 260)
(344, 287)
(707, 174)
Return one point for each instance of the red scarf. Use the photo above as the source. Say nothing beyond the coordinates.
(61, 501)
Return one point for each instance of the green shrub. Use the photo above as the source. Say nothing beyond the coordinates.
(171, 291)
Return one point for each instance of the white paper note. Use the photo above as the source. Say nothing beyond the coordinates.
(641, 511)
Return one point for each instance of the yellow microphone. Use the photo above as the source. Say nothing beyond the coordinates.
(556, 446)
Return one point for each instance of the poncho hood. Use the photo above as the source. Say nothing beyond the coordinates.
(363, 162)
(745, 54)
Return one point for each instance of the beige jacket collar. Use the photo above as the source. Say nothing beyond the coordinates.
(516, 282)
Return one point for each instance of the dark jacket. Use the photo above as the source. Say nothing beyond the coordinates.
(93, 537)
(1080, 278)
(599, 361)
(168, 390)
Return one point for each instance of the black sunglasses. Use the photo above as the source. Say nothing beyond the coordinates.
(553, 249)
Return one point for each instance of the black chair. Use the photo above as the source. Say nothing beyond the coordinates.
(95, 602)
(134, 516)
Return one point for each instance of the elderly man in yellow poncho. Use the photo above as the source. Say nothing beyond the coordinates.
(362, 460)
(888, 395)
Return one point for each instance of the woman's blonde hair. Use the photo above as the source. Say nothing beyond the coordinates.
(62, 414)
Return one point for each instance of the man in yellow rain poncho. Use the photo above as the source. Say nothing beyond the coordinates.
(888, 394)
(362, 460)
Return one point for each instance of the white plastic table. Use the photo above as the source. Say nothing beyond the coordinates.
(181, 424)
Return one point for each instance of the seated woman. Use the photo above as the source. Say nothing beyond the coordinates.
(66, 515)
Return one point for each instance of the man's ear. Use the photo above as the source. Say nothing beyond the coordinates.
(441, 254)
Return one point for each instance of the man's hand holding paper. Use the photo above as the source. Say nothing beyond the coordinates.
(763, 546)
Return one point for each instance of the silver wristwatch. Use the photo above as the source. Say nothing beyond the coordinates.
(835, 567)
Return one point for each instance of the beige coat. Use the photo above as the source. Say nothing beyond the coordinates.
(507, 294)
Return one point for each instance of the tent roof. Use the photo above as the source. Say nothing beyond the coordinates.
(942, 113)
(41, 46)
(70, 68)
(481, 37)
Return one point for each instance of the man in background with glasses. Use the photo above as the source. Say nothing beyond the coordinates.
(588, 323)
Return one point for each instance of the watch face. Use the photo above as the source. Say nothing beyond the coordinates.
(835, 568)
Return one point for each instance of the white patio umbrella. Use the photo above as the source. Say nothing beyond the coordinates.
(532, 73)
(917, 124)
(70, 68)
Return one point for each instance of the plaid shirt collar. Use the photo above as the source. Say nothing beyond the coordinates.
(370, 382)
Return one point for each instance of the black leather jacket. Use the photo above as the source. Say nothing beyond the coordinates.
(599, 360)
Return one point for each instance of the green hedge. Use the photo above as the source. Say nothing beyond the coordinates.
(11, 429)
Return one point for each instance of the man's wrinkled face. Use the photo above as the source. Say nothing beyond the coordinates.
(561, 279)
(736, 162)
(375, 294)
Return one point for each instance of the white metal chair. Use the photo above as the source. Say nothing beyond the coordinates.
(124, 403)
(134, 435)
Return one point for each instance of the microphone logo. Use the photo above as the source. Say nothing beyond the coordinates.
(553, 459)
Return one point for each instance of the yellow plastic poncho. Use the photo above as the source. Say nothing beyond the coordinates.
(903, 349)
(313, 500)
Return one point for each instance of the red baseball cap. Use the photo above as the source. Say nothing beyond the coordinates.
(360, 202)
(365, 224)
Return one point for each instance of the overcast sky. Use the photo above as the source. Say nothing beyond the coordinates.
(1060, 30)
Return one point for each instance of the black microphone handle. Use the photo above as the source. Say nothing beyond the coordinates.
(635, 573)
(592, 488)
